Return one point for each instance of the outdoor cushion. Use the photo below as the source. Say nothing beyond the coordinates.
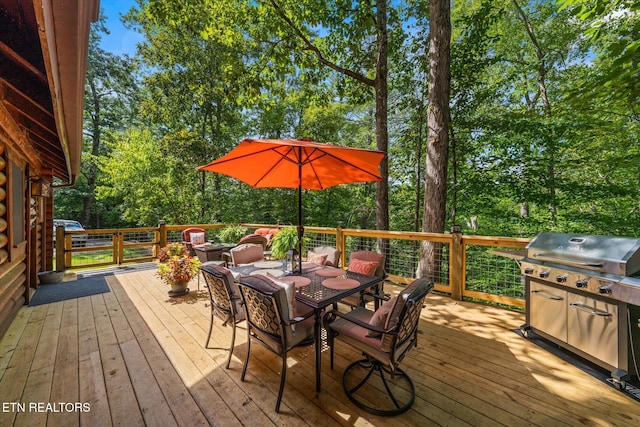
(198, 238)
(401, 301)
(315, 258)
(246, 253)
(364, 267)
(333, 255)
(370, 256)
(290, 291)
(379, 318)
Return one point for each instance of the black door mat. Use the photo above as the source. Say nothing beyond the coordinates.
(46, 294)
(631, 386)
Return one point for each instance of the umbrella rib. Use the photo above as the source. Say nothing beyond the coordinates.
(283, 156)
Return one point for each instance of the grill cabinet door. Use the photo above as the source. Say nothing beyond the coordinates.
(548, 309)
(593, 327)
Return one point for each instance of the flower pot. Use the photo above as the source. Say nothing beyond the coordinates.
(49, 277)
(177, 290)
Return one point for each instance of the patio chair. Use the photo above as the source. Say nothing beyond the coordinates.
(225, 300)
(254, 238)
(333, 255)
(269, 321)
(268, 233)
(363, 262)
(246, 254)
(193, 236)
(384, 337)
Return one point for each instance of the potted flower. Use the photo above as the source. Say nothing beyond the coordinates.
(177, 268)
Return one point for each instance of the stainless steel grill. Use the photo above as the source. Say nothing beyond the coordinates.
(583, 294)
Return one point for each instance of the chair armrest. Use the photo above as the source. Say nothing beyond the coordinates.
(377, 296)
(299, 319)
(331, 316)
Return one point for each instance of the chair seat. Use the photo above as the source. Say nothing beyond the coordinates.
(356, 336)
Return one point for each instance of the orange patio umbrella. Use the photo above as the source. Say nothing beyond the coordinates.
(297, 163)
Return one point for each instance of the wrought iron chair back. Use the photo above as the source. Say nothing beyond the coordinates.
(384, 348)
(267, 314)
(225, 301)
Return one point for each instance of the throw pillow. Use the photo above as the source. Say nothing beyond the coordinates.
(364, 267)
(197, 238)
(315, 258)
(290, 291)
(379, 318)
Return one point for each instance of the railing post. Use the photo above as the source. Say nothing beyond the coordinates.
(115, 245)
(162, 229)
(457, 274)
(340, 243)
(120, 247)
(60, 252)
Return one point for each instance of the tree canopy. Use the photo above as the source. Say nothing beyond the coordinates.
(541, 133)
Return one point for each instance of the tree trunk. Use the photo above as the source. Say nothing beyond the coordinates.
(382, 132)
(435, 193)
(91, 171)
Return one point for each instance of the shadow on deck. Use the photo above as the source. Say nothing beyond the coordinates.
(135, 356)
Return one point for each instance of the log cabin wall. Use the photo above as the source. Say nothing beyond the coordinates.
(13, 243)
(43, 60)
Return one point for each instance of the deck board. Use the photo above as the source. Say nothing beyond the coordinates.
(137, 357)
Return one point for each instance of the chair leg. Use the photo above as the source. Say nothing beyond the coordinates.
(233, 340)
(330, 344)
(399, 396)
(283, 376)
(246, 359)
(210, 329)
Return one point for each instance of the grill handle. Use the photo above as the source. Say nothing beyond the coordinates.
(581, 306)
(543, 294)
(543, 257)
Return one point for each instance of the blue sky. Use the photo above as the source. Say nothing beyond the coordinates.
(121, 40)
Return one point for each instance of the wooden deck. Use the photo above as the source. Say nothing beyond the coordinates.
(134, 357)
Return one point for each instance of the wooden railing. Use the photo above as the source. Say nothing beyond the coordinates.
(477, 267)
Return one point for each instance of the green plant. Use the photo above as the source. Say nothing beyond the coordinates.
(287, 238)
(178, 268)
(232, 233)
(171, 250)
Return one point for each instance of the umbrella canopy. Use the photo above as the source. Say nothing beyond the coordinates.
(297, 163)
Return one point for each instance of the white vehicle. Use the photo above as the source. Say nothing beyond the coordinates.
(69, 225)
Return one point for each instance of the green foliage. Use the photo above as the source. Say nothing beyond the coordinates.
(286, 239)
(177, 267)
(214, 72)
(232, 233)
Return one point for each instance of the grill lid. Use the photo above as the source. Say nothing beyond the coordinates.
(607, 254)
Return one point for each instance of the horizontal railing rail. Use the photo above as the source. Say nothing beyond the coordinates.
(476, 267)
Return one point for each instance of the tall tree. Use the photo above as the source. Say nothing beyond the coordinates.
(435, 193)
(110, 105)
(291, 30)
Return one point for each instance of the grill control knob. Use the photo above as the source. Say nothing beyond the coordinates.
(561, 279)
(582, 283)
(606, 289)
(544, 274)
(528, 270)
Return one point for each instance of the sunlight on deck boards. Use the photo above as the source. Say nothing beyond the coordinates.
(137, 357)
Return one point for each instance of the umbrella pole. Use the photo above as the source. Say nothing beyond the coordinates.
(300, 227)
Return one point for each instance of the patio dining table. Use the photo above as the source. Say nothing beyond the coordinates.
(319, 288)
